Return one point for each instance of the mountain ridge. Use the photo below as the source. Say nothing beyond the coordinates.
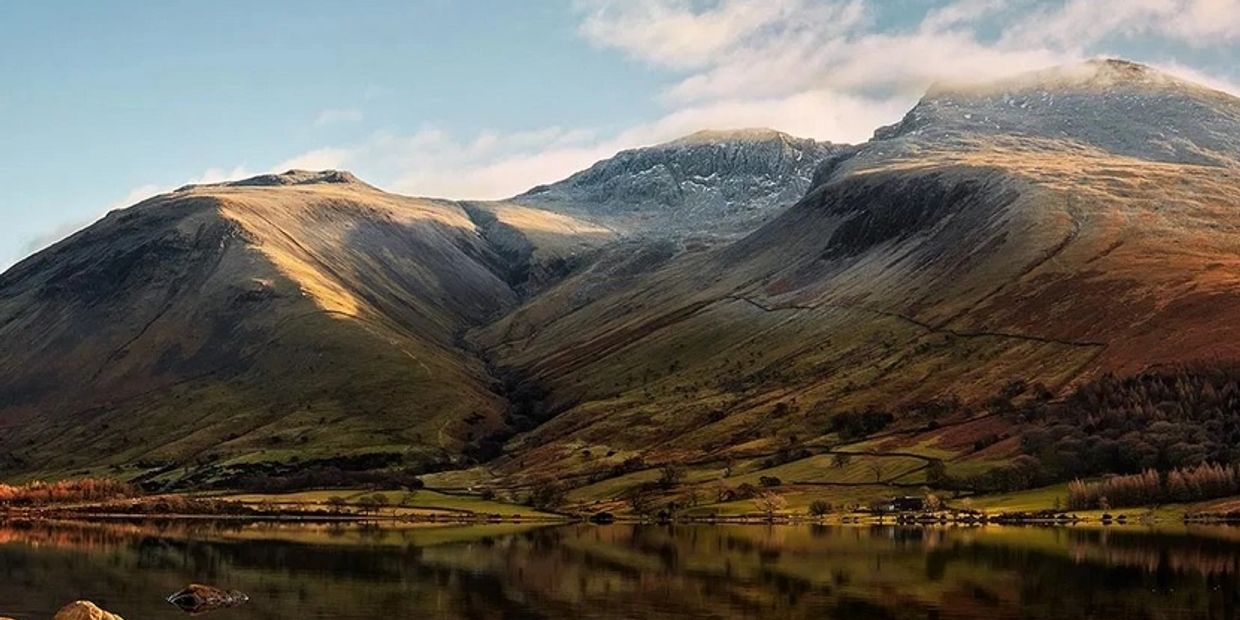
(941, 262)
(709, 182)
(989, 239)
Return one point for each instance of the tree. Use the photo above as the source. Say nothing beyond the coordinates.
(841, 460)
(547, 497)
(670, 475)
(819, 508)
(640, 499)
(381, 501)
(877, 469)
(746, 491)
(336, 503)
(769, 503)
(858, 424)
(769, 481)
(367, 504)
(936, 472)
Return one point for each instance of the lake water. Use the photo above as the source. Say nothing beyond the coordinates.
(625, 571)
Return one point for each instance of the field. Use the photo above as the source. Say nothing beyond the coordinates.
(399, 503)
(1045, 498)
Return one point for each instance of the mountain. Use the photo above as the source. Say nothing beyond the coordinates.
(285, 317)
(1112, 106)
(1044, 231)
(286, 322)
(744, 304)
(722, 182)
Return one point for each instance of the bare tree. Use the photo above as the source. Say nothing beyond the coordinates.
(770, 503)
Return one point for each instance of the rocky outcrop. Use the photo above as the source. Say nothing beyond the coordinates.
(197, 598)
(84, 610)
(709, 182)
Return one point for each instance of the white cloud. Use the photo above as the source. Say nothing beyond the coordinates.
(318, 159)
(1082, 23)
(962, 13)
(333, 116)
(683, 34)
(769, 48)
(136, 195)
(490, 164)
(220, 175)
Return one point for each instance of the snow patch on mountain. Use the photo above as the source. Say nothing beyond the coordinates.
(711, 182)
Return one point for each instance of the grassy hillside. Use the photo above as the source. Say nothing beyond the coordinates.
(949, 274)
(950, 305)
(286, 324)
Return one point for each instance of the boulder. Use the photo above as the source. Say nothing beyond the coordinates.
(197, 598)
(84, 610)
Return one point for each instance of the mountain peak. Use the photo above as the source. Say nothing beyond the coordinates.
(1111, 105)
(714, 136)
(714, 181)
(1096, 75)
(290, 177)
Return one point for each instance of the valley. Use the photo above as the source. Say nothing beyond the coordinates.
(678, 329)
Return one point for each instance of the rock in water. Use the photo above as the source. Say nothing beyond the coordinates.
(84, 610)
(197, 598)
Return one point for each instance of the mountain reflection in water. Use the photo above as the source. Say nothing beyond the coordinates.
(624, 571)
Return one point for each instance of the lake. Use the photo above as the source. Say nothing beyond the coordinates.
(511, 571)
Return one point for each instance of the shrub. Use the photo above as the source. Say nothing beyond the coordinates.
(547, 496)
(819, 508)
(65, 491)
(745, 491)
(859, 424)
(671, 474)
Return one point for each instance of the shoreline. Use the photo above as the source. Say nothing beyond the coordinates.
(924, 521)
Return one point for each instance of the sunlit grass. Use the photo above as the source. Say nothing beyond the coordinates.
(399, 502)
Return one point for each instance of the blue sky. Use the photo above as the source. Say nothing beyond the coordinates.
(107, 103)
